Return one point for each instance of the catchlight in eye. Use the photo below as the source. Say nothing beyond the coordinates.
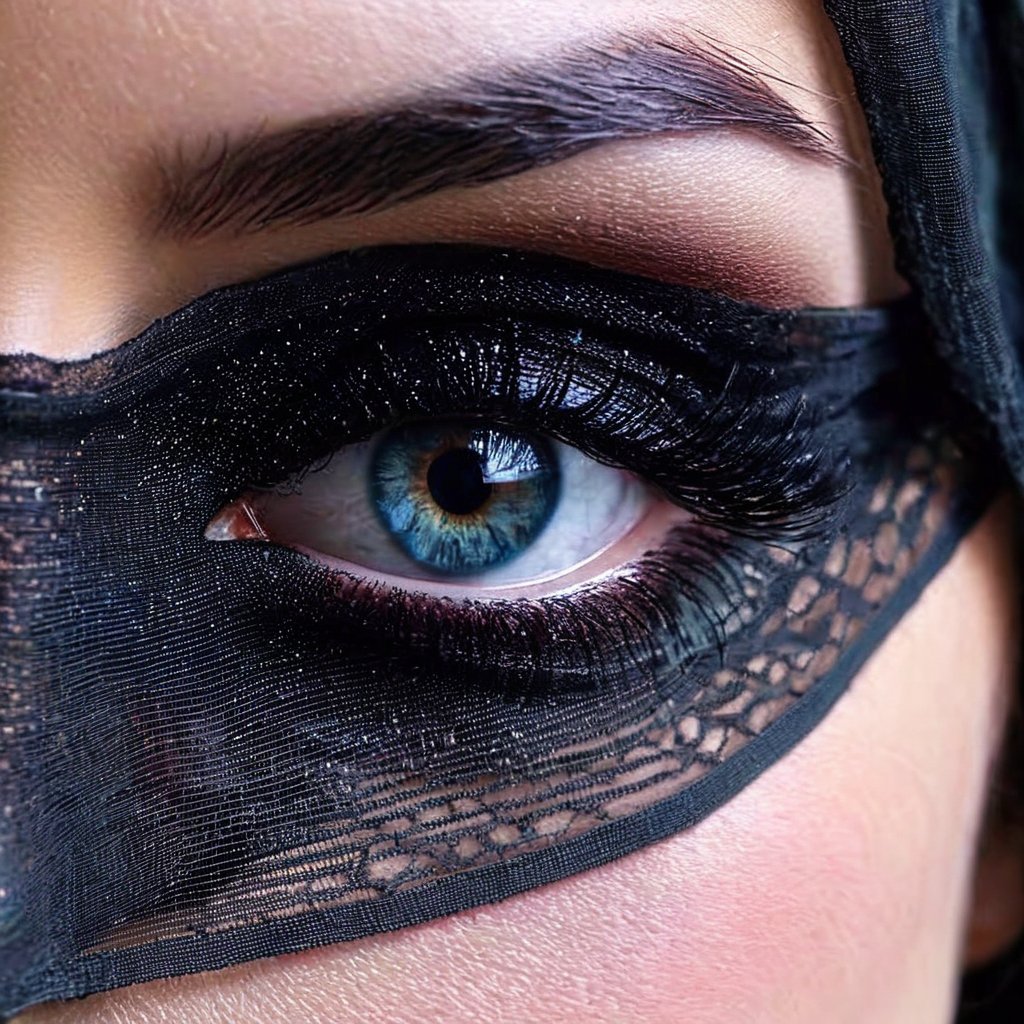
(460, 499)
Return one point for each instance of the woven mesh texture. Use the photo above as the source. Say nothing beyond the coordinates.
(388, 831)
(209, 752)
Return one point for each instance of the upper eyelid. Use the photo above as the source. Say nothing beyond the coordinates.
(692, 446)
(209, 327)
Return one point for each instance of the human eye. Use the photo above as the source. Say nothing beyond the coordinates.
(455, 506)
(590, 499)
(444, 557)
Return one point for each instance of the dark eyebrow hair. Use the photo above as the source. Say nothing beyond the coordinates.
(477, 131)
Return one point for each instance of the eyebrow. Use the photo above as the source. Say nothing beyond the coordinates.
(471, 133)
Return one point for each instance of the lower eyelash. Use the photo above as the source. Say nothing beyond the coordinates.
(655, 615)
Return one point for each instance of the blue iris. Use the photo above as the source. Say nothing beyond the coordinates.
(463, 497)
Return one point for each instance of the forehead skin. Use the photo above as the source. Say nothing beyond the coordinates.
(92, 91)
(830, 889)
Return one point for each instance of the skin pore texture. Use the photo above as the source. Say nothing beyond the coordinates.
(838, 885)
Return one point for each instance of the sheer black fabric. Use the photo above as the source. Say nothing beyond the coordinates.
(942, 82)
(214, 752)
(226, 750)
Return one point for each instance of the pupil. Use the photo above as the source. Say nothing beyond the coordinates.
(456, 481)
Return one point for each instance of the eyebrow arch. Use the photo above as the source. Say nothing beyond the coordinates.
(472, 133)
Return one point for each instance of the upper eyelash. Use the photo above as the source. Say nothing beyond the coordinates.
(770, 475)
(288, 332)
(746, 456)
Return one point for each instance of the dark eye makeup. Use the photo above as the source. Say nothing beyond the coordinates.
(286, 729)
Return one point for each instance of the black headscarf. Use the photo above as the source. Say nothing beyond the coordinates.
(942, 85)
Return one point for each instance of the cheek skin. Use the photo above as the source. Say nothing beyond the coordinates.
(833, 888)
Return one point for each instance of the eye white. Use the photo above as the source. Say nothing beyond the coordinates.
(332, 513)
